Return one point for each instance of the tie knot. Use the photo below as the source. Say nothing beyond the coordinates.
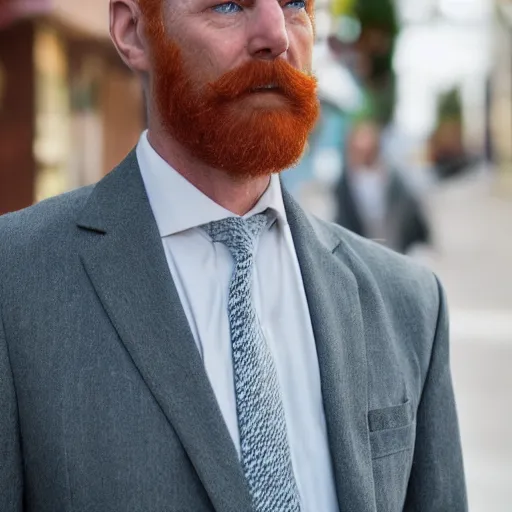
(237, 234)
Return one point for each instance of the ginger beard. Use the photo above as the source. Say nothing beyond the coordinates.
(217, 122)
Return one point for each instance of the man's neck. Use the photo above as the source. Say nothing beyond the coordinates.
(238, 195)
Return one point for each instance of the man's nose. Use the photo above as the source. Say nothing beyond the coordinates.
(268, 38)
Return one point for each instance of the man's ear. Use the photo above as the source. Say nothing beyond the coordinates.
(127, 35)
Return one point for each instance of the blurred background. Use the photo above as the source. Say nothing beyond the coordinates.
(413, 149)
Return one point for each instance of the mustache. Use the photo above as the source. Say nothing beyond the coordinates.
(278, 73)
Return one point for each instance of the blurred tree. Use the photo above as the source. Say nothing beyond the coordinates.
(342, 7)
(377, 13)
(449, 106)
(379, 31)
(374, 47)
(447, 150)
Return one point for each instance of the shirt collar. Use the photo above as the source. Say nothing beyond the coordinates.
(177, 205)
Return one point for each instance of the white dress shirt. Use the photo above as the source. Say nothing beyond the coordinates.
(202, 270)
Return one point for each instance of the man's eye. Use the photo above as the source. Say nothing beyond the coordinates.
(227, 8)
(296, 4)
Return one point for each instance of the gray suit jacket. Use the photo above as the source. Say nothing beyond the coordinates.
(104, 401)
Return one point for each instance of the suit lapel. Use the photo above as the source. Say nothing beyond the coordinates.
(123, 255)
(332, 295)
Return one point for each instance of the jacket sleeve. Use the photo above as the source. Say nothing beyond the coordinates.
(11, 488)
(437, 481)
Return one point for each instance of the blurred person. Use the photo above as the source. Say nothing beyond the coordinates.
(182, 336)
(374, 200)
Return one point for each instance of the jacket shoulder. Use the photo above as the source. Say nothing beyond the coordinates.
(46, 221)
(398, 279)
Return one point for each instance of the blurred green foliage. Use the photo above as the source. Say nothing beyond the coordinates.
(449, 107)
(378, 14)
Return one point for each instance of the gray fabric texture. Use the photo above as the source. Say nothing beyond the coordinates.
(105, 404)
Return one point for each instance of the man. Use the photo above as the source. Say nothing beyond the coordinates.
(183, 337)
(375, 201)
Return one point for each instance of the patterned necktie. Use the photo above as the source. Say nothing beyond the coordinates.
(264, 446)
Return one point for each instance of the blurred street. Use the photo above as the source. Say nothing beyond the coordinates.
(473, 257)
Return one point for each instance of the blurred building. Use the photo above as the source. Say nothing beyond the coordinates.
(501, 100)
(69, 109)
(444, 45)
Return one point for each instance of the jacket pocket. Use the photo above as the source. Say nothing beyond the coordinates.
(392, 429)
